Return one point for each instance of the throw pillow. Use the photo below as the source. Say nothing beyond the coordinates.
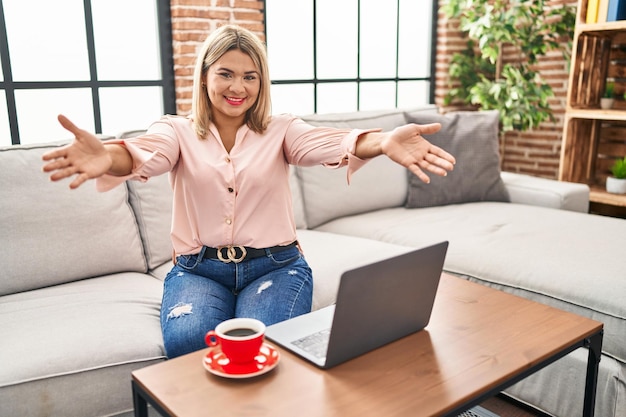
(472, 137)
(378, 184)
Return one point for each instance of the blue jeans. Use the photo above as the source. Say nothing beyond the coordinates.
(199, 294)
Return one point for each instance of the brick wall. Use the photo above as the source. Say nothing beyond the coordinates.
(535, 152)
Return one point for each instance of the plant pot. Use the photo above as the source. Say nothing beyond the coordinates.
(606, 103)
(616, 185)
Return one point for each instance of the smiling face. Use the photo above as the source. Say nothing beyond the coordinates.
(233, 84)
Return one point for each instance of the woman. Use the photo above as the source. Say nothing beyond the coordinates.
(233, 230)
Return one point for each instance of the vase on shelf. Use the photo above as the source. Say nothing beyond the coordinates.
(616, 185)
(606, 103)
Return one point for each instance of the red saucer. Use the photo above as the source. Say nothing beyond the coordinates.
(218, 364)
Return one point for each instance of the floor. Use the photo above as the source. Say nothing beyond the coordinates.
(504, 408)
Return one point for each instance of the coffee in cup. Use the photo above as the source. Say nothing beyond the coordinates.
(240, 339)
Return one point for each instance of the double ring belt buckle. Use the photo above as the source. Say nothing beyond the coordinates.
(231, 253)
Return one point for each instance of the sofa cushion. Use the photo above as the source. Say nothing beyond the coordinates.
(152, 203)
(527, 189)
(56, 235)
(297, 199)
(472, 137)
(73, 346)
(378, 184)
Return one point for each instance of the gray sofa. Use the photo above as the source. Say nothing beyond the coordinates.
(80, 288)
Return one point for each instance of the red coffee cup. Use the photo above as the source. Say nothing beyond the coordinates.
(240, 339)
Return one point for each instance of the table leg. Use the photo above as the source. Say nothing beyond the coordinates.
(139, 402)
(594, 345)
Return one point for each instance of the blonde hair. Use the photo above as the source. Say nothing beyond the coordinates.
(224, 39)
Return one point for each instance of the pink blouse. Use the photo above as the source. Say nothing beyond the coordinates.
(237, 198)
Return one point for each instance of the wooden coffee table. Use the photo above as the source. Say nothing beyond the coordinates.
(479, 342)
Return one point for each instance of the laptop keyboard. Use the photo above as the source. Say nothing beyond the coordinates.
(316, 344)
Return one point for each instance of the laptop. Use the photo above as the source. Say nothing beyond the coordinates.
(376, 305)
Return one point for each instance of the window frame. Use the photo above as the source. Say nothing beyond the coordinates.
(166, 82)
(315, 81)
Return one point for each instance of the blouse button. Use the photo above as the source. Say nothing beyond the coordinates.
(229, 221)
(230, 189)
(227, 159)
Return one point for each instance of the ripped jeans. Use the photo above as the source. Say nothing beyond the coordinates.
(198, 295)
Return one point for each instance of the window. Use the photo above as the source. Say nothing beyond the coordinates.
(346, 55)
(106, 64)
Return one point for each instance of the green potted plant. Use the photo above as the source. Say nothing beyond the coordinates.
(616, 183)
(606, 102)
(480, 77)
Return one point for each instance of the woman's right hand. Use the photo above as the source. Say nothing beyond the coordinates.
(86, 157)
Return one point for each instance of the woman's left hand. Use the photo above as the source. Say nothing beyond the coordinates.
(406, 146)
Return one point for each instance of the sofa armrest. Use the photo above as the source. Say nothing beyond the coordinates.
(535, 191)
